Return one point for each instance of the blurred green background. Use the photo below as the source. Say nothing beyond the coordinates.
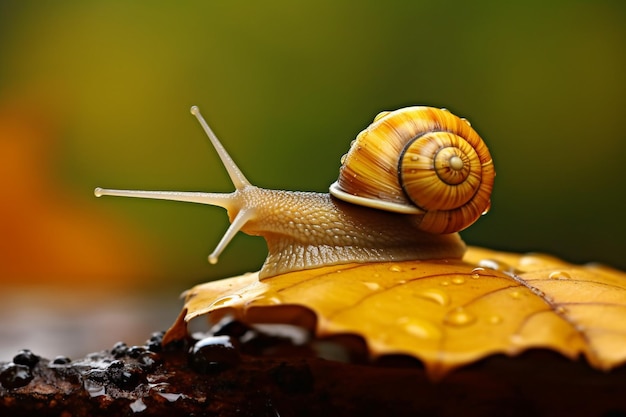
(286, 86)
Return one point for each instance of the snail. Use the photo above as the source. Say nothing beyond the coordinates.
(409, 181)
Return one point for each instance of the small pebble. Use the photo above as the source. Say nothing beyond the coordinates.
(229, 327)
(15, 375)
(61, 360)
(213, 354)
(147, 361)
(135, 351)
(125, 378)
(26, 357)
(154, 343)
(119, 349)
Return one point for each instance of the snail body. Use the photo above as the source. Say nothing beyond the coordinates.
(358, 222)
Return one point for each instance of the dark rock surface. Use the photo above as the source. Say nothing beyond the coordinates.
(239, 371)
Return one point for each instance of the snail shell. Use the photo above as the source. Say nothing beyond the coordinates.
(419, 160)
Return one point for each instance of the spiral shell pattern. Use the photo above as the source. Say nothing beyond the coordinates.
(420, 160)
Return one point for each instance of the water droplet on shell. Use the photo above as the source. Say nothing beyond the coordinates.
(486, 210)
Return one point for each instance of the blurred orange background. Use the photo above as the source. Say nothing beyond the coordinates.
(97, 93)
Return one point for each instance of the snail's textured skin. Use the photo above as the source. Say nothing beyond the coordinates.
(306, 230)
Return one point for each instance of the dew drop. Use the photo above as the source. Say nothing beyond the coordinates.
(495, 319)
(269, 298)
(486, 210)
(374, 286)
(435, 295)
(516, 339)
(560, 310)
(458, 280)
(395, 268)
(530, 260)
(489, 263)
(476, 272)
(423, 329)
(497, 266)
(559, 275)
(224, 301)
(444, 283)
(342, 161)
(414, 158)
(459, 317)
(516, 295)
(466, 121)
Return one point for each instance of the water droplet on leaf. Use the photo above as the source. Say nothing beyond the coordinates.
(374, 286)
(459, 317)
(435, 295)
(559, 275)
(224, 301)
(423, 329)
(476, 272)
(458, 280)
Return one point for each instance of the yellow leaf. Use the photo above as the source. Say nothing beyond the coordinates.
(447, 313)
